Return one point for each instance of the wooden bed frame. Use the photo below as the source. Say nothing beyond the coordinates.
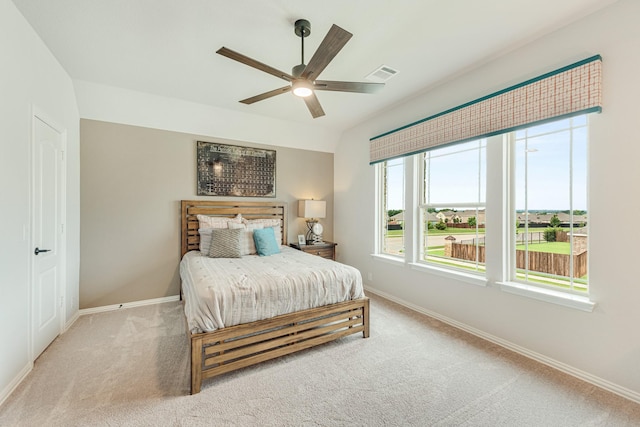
(236, 347)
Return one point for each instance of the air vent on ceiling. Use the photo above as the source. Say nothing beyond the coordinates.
(381, 74)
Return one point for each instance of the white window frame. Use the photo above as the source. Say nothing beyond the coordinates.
(499, 222)
(511, 283)
(423, 205)
(380, 215)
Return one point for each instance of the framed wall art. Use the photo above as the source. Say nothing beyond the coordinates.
(232, 170)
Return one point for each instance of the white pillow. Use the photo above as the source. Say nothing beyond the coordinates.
(205, 240)
(275, 223)
(247, 245)
(209, 223)
(217, 221)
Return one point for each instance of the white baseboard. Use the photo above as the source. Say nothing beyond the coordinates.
(567, 369)
(15, 383)
(132, 304)
(71, 321)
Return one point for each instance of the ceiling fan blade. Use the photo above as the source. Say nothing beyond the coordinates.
(359, 87)
(253, 63)
(266, 95)
(333, 42)
(314, 105)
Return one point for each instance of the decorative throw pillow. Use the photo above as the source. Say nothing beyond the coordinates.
(247, 245)
(210, 222)
(266, 222)
(225, 243)
(265, 240)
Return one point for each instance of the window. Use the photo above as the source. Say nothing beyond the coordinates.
(550, 205)
(524, 191)
(452, 209)
(391, 220)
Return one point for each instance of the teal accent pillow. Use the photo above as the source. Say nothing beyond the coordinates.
(265, 240)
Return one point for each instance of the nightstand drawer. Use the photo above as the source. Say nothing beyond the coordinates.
(324, 253)
(324, 250)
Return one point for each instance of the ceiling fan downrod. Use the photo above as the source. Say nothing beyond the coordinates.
(302, 28)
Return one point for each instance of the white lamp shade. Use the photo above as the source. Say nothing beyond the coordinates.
(312, 208)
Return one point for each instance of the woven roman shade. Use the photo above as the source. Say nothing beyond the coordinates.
(568, 91)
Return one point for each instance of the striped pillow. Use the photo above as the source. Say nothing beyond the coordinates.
(225, 243)
(207, 223)
(268, 222)
(247, 245)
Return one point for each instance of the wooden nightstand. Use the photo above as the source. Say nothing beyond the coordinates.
(325, 249)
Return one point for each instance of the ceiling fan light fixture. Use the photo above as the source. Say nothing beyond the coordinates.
(302, 88)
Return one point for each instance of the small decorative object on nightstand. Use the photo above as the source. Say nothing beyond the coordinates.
(324, 249)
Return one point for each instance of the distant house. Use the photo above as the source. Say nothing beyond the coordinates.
(396, 222)
(397, 218)
(460, 216)
(432, 217)
(440, 216)
(544, 220)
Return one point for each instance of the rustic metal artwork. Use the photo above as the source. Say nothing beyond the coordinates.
(231, 170)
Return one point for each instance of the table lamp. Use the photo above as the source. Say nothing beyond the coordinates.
(311, 210)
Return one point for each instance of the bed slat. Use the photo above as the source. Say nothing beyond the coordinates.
(223, 345)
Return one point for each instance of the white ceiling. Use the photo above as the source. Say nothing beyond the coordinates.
(167, 47)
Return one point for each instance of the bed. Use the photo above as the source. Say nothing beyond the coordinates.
(254, 331)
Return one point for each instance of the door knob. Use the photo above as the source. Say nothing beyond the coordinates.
(37, 251)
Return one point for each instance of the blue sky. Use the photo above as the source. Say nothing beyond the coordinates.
(454, 173)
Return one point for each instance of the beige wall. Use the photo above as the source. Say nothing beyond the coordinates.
(132, 180)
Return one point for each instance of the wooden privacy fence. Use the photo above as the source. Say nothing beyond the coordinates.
(556, 264)
(467, 252)
(543, 262)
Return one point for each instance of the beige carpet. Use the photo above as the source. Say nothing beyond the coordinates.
(130, 368)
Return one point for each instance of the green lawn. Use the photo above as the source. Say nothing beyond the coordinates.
(563, 248)
(435, 250)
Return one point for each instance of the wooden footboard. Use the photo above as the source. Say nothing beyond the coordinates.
(236, 347)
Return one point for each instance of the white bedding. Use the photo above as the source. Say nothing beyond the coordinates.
(220, 292)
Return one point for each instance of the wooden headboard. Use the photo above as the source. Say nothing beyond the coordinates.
(250, 210)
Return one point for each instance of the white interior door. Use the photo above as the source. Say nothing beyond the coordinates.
(48, 177)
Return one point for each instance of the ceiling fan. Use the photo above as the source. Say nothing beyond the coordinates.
(302, 80)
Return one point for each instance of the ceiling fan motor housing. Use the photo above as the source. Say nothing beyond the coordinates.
(297, 70)
(302, 28)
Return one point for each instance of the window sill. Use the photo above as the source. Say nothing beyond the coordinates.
(548, 295)
(452, 274)
(388, 258)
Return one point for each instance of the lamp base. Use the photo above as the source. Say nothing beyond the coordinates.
(317, 233)
(314, 233)
(310, 235)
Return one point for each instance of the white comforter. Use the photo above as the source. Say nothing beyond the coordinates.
(221, 292)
